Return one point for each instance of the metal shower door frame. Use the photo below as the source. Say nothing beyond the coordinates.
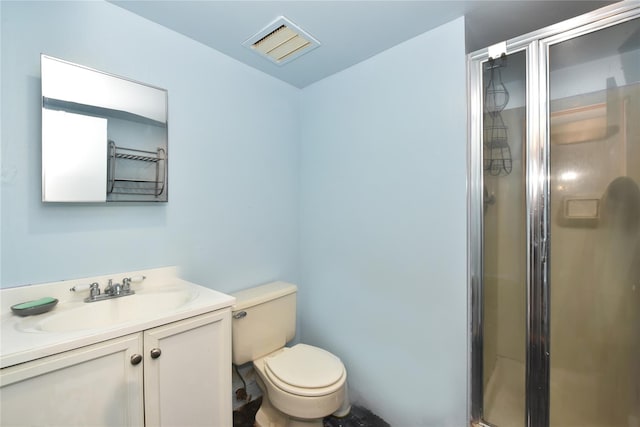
(536, 46)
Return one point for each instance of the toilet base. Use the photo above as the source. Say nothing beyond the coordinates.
(268, 416)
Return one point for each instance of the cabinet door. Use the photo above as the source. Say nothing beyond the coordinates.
(97, 385)
(188, 372)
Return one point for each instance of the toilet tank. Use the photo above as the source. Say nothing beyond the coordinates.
(264, 320)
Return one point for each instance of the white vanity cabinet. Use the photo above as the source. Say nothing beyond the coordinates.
(91, 386)
(177, 374)
(187, 372)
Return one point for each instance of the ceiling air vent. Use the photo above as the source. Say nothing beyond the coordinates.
(281, 41)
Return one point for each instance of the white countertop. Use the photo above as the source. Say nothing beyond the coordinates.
(21, 342)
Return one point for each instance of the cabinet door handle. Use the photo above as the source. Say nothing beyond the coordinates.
(155, 353)
(135, 359)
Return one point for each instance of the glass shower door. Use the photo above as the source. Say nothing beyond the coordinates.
(594, 223)
(504, 240)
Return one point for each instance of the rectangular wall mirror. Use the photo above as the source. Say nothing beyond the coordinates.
(104, 137)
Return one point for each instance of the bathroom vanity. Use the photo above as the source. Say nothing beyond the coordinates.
(159, 357)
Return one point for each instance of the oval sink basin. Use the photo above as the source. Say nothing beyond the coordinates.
(114, 311)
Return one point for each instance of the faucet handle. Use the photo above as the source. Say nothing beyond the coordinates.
(127, 281)
(79, 288)
(94, 290)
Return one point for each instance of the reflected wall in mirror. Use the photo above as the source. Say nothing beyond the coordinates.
(104, 138)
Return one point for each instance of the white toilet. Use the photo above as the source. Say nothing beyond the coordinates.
(301, 384)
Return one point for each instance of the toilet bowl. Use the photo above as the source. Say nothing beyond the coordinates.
(303, 381)
(301, 384)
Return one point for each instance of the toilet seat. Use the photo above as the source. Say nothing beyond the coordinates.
(305, 370)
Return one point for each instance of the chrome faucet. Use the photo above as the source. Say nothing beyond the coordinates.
(126, 284)
(112, 290)
(108, 290)
(94, 290)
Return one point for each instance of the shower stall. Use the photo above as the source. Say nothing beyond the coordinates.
(554, 220)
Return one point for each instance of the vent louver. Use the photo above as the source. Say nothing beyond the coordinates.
(281, 41)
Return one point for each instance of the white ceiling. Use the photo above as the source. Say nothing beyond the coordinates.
(349, 31)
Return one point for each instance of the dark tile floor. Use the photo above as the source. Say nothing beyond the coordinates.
(358, 417)
(247, 398)
(245, 416)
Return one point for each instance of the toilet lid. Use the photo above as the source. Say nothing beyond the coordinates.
(306, 366)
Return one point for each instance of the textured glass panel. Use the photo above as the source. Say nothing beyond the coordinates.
(595, 228)
(504, 280)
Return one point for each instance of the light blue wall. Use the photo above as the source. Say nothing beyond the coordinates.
(371, 162)
(383, 227)
(231, 220)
